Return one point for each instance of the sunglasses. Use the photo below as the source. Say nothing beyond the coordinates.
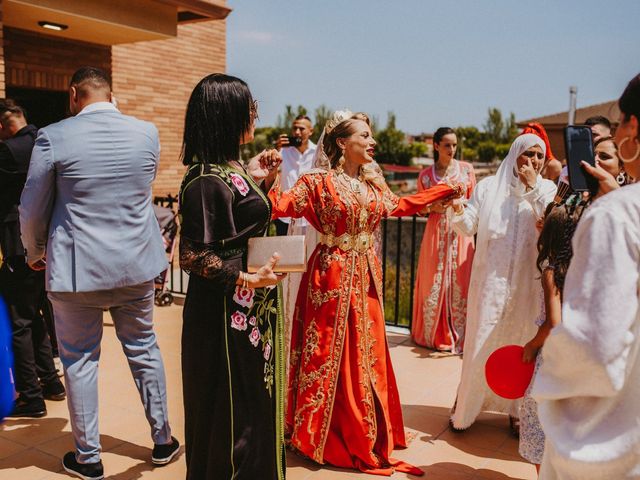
(532, 155)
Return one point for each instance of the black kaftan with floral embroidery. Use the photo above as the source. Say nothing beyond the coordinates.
(231, 337)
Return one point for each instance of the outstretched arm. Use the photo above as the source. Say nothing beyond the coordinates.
(412, 204)
(465, 218)
(299, 201)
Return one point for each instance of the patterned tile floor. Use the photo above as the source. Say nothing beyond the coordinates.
(31, 449)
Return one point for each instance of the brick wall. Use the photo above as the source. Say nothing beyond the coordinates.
(153, 80)
(35, 60)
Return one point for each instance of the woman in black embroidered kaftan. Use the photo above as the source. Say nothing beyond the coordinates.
(231, 339)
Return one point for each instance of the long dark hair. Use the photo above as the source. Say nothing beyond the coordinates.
(437, 138)
(218, 115)
(554, 243)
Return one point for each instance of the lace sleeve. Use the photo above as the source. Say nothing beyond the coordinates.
(200, 260)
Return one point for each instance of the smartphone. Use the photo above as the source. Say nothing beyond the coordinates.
(294, 141)
(578, 144)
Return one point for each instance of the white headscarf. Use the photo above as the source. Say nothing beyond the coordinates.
(493, 220)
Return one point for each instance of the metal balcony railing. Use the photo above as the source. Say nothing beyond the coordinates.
(398, 247)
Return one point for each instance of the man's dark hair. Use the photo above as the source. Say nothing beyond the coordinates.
(218, 115)
(303, 117)
(9, 106)
(88, 79)
(598, 120)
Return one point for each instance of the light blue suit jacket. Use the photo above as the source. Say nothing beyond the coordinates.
(87, 202)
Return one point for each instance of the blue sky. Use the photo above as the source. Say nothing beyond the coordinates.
(433, 63)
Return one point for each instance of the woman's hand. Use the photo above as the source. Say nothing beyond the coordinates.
(606, 182)
(458, 206)
(459, 190)
(528, 175)
(530, 352)
(438, 207)
(265, 165)
(265, 276)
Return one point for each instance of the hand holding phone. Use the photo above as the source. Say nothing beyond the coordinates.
(282, 141)
(606, 182)
(579, 147)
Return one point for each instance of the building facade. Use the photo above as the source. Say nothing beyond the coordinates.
(154, 50)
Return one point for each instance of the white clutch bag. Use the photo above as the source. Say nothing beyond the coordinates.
(292, 250)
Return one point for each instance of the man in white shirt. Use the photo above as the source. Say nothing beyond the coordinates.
(297, 159)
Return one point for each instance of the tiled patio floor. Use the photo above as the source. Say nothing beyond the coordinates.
(31, 449)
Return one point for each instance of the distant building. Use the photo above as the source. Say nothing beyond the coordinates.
(554, 124)
(426, 138)
(155, 51)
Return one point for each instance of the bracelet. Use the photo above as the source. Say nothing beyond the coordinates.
(244, 277)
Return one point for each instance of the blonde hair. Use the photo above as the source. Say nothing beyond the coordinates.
(371, 172)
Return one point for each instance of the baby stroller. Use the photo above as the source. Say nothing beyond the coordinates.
(169, 229)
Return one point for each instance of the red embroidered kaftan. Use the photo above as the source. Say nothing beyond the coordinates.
(343, 406)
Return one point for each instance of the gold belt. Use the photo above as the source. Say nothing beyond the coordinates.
(347, 242)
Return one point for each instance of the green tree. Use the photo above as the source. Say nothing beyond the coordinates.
(418, 149)
(498, 129)
(502, 149)
(321, 115)
(487, 151)
(263, 139)
(392, 145)
(283, 122)
(468, 140)
(494, 126)
(510, 129)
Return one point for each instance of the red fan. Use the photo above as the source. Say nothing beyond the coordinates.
(507, 375)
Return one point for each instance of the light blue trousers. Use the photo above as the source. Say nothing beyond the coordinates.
(78, 318)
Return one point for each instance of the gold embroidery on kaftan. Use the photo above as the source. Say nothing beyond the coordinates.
(318, 297)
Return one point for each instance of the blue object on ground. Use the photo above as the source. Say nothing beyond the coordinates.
(6, 363)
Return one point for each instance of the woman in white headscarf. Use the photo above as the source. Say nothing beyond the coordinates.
(504, 290)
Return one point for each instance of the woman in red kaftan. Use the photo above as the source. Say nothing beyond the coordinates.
(343, 406)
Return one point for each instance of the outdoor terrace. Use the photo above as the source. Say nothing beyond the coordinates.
(32, 449)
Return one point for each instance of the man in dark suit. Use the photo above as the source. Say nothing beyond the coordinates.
(23, 289)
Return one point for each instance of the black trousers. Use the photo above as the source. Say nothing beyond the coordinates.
(24, 293)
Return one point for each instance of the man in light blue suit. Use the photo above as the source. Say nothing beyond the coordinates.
(87, 206)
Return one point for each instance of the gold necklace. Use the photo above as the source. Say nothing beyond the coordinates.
(355, 184)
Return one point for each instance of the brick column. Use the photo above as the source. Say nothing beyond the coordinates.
(153, 80)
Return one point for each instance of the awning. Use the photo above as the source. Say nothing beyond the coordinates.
(109, 23)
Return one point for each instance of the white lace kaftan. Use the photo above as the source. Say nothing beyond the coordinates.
(505, 287)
